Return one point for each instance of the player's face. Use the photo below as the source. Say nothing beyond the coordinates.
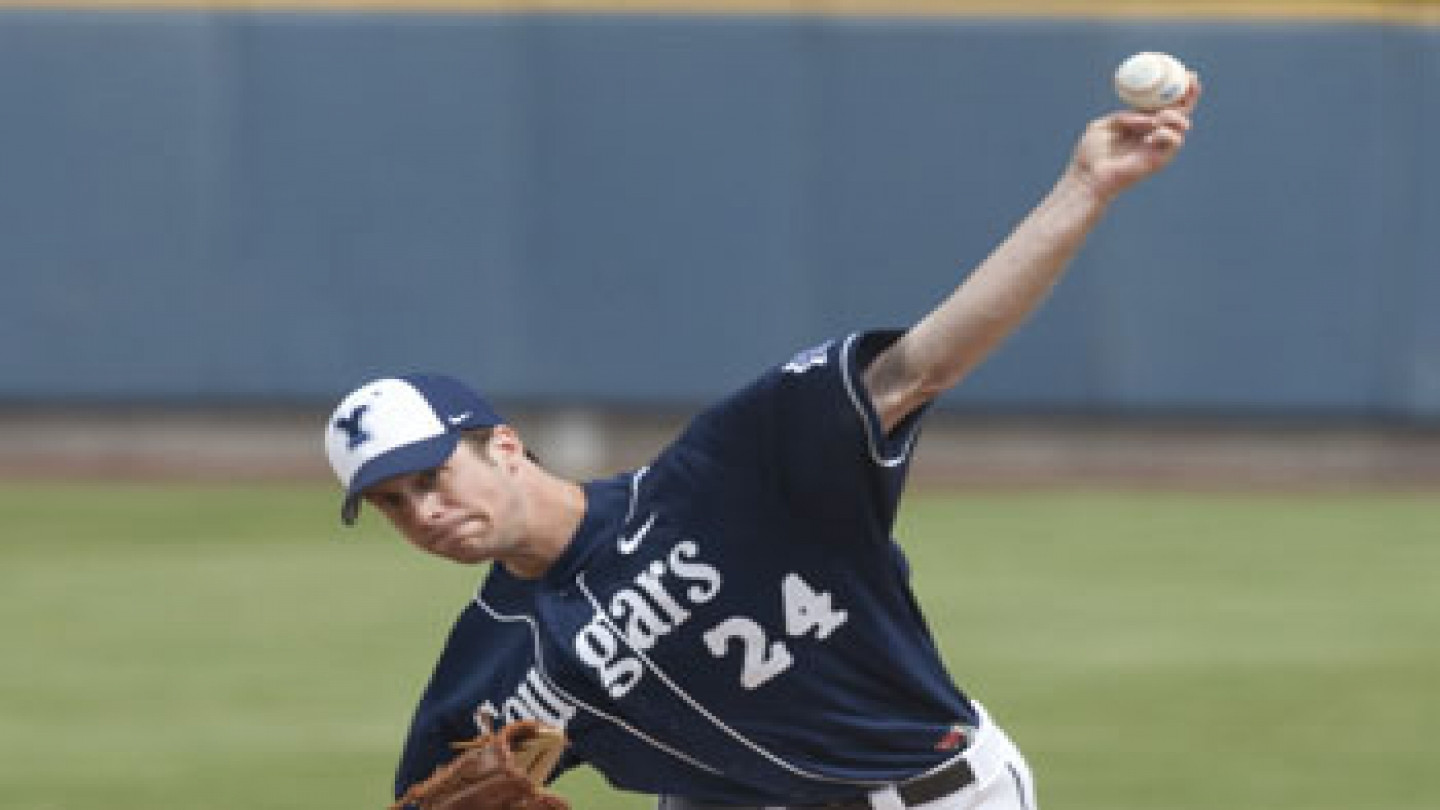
(468, 509)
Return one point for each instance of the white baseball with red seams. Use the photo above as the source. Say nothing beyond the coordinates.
(1151, 80)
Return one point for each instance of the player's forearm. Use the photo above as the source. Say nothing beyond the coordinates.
(950, 341)
(1007, 286)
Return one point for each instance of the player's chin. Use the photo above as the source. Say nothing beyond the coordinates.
(464, 557)
(464, 549)
(456, 553)
(448, 547)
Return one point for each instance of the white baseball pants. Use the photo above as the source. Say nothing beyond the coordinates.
(1002, 782)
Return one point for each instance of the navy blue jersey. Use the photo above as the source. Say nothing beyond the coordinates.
(732, 623)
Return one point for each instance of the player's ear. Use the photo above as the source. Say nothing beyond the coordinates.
(506, 446)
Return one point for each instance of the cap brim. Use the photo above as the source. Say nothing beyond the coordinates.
(412, 458)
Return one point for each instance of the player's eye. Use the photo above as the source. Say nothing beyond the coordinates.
(385, 501)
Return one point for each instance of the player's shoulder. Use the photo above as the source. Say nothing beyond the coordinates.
(822, 378)
(845, 354)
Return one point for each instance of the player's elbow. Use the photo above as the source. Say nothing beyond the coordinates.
(898, 383)
(902, 396)
(929, 386)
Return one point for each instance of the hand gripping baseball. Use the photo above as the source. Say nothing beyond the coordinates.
(504, 770)
(1125, 147)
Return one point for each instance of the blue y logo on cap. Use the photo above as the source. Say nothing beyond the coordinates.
(354, 434)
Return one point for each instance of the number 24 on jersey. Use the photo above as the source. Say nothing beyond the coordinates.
(807, 612)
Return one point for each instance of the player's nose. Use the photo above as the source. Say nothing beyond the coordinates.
(413, 509)
(427, 509)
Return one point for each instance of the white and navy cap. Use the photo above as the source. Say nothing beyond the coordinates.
(399, 425)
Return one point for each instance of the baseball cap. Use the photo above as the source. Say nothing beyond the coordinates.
(396, 426)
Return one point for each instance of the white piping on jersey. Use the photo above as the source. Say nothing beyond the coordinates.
(550, 682)
(634, 494)
(870, 438)
(628, 543)
(704, 712)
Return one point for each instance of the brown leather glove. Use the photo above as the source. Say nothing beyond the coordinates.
(504, 770)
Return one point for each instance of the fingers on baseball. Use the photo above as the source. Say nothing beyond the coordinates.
(1171, 127)
(1163, 130)
(1164, 140)
(1192, 95)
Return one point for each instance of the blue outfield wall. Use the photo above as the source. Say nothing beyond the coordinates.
(649, 209)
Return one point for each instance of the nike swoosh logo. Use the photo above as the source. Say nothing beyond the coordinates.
(629, 544)
(459, 417)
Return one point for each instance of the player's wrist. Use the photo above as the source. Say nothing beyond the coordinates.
(1082, 196)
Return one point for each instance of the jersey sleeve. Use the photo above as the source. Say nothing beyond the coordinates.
(481, 661)
(433, 727)
(808, 431)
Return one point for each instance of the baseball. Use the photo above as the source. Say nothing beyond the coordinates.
(1150, 81)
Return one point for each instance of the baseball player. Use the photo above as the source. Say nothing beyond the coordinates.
(731, 625)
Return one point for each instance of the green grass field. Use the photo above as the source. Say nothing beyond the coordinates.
(232, 649)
